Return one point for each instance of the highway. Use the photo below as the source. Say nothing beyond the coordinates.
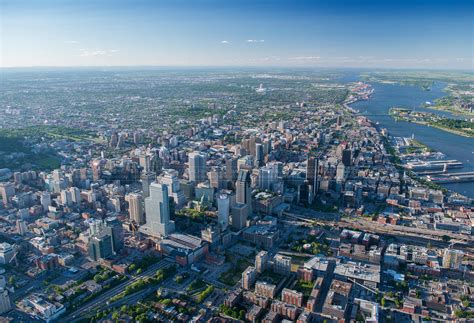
(411, 232)
(102, 299)
(422, 236)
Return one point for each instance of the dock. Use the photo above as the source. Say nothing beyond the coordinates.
(452, 178)
(433, 165)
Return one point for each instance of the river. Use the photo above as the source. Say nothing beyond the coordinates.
(453, 146)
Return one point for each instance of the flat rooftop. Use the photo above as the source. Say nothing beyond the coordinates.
(356, 270)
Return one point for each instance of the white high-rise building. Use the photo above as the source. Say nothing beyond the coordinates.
(5, 304)
(248, 277)
(7, 251)
(45, 199)
(95, 226)
(223, 209)
(135, 208)
(197, 167)
(216, 178)
(75, 195)
(66, 198)
(114, 204)
(243, 194)
(157, 210)
(282, 264)
(7, 190)
(21, 227)
(90, 196)
(145, 162)
(452, 258)
(171, 180)
(261, 261)
(340, 172)
(245, 162)
(57, 175)
(147, 179)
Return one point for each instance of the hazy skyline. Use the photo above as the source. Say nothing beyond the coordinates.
(392, 34)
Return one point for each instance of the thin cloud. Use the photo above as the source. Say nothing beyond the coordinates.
(265, 59)
(366, 61)
(305, 58)
(97, 52)
(225, 42)
(71, 42)
(255, 40)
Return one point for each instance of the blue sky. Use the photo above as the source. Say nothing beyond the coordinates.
(331, 33)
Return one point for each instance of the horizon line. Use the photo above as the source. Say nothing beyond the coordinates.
(234, 66)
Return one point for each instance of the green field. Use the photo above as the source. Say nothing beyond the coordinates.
(233, 275)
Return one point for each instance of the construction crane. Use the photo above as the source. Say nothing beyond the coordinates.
(135, 232)
(454, 242)
(14, 257)
(374, 291)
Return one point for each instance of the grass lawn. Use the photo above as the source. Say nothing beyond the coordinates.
(304, 287)
(233, 275)
(196, 284)
(271, 277)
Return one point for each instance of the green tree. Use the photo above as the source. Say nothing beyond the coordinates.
(398, 303)
(115, 315)
(242, 314)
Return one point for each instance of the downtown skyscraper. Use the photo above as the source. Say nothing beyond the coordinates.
(197, 167)
(243, 190)
(157, 210)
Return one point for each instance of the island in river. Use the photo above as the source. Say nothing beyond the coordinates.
(457, 126)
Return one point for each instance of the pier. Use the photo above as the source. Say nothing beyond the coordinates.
(452, 178)
(433, 165)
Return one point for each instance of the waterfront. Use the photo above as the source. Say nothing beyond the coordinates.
(387, 96)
